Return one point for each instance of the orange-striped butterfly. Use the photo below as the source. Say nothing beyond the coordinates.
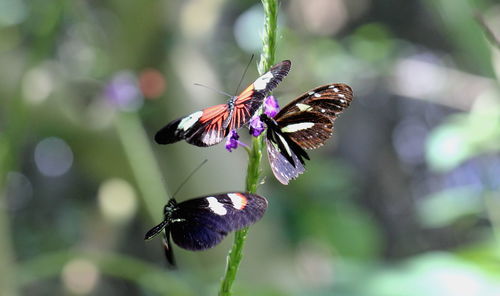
(211, 125)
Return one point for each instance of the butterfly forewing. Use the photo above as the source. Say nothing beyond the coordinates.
(201, 223)
(309, 130)
(201, 128)
(329, 100)
(308, 120)
(211, 125)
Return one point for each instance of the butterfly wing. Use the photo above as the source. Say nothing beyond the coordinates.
(329, 100)
(211, 125)
(251, 99)
(309, 130)
(202, 128)
(167, 248)
(304, 123)
(201, 223)
(282, 168)
(285, 156)
(308, 120)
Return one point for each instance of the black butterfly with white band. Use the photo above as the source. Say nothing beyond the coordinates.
(201, 223)
(305, 123)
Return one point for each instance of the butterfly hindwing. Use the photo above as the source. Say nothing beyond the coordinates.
(167, 248)
(201, 223)
(282, 168)
(211, 125)
(285, 156)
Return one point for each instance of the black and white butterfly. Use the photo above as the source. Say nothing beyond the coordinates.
(304, 123)
(201, 223)
(211, 125)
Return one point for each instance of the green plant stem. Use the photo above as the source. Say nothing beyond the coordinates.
(141, 158)
(255, 152)
(269, 37)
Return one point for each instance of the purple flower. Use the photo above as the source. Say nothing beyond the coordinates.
(232, 141)
(256, 126)
(271, 106)
(123, 92)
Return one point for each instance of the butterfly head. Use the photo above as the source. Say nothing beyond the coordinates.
(270, 122)
(167, 217)
(169, 208)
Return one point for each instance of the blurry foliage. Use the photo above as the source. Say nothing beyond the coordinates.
(403, 201)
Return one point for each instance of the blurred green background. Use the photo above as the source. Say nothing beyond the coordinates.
(404, 200)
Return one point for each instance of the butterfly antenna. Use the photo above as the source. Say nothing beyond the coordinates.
(244, 73)
(189, 177)
(215, 90)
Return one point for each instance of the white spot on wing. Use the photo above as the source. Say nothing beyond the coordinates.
(189, 120)
(303, 107)
(239, 201)
(310, 93)
(262, 81)
(297, 127)
(215, 206)
(211, 137)
(317, 95)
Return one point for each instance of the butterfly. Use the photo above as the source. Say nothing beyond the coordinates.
(304, 123)
(211, 125)
(201, 223)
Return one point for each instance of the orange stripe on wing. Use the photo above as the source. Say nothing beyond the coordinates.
(238, 200)
(245, 95)
(211, 113)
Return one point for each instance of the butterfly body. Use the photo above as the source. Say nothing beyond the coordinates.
(211, 125)
(305, 123)
(201, 223)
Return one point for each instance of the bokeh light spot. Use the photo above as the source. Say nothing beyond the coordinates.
(37, 85)
(446, 148)
(117, 200)
(409, 141)
(80, 276)
(321, 17)
(123, 92)
(443, 208)
(12, 12)
(248, 27)
(198, 18)
(152, 83)
(53, 157)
